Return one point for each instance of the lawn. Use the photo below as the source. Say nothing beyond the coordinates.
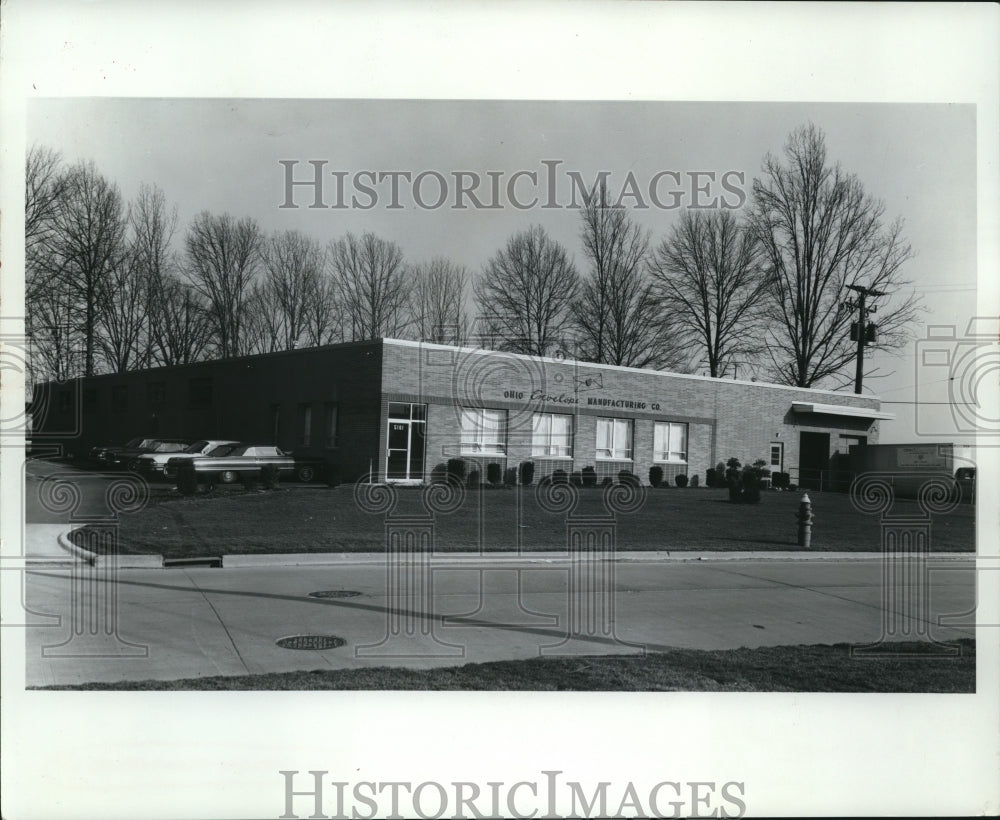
(820, 668)
(313, 519)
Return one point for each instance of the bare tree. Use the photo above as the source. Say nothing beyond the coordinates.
(293, 267)
(153, 228)
(438, 302)
(617, 316)
(819, 232)
(525, 294)
(47, 320)
(323, 320)
(224, 256)
(54, 342)
(180, 328)
(86, 245)
(372, 288)
(712, 288)
(44, 186)
(123, 318)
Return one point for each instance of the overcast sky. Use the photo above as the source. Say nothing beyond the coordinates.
(223, 155)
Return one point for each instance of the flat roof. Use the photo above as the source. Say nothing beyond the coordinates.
(645, 371)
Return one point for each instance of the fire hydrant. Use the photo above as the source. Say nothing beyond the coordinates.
(805, 518)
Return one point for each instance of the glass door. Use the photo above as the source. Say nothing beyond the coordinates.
(404, 452)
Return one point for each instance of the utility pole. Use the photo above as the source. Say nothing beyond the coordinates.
(861, 331)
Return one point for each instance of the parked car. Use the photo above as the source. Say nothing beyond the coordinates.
(127, 456)
(246, 458)
(104, 453)
(966, 478)
(154, 465)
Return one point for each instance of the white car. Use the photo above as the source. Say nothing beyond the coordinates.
(154, 465)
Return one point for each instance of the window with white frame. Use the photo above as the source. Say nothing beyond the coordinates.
(551, 435)
(614, 439)
(670, 441)
(483, 431)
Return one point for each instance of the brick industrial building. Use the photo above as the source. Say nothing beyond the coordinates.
(399, 408)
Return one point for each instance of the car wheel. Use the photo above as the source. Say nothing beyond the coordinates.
(227, 477)
(306, 473)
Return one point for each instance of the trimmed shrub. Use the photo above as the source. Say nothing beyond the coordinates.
(456, 469)
(710, 477)
(780, 480)
(250, 479)
(681, 480)
(472, 482)
(527, 472)
(606, 481)
(493, 473)
(626, 477)
(439, 475)
(589, 477)
(510, 477)
(560, 477)
(269, 476)
(751, 486)
(655, 475)
(720, 474)
(576, 478)
(694, 480)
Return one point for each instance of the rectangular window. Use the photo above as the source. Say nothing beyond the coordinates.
(484, 431)
(305, 424)
(156, 395)
(552, 435)
(330, 424)
(614, 439)
(200, 391)
(670, 441)
(119, 397)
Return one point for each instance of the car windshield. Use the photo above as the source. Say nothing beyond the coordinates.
(147, 443)
(136, 442)
(169, 447)
(221, 450)
(197, 447)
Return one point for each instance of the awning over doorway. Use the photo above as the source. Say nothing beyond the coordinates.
(840, 410)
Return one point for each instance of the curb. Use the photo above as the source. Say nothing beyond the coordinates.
(500, 559)
(513, 558)
(120, 561)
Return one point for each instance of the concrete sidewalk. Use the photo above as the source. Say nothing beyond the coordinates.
(130, 624)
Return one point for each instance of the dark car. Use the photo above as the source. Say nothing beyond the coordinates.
(154, 464)
(245, 459)
(104, 453)
(127, 457)
(966, 479)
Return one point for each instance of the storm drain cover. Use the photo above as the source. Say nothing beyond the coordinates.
(335, 593)
(310, 642)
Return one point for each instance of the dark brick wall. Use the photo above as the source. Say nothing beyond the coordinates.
(244, 392)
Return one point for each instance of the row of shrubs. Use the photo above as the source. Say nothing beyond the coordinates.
(524, 473)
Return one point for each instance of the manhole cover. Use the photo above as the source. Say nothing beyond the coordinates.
(310, 642)
(335, 593)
